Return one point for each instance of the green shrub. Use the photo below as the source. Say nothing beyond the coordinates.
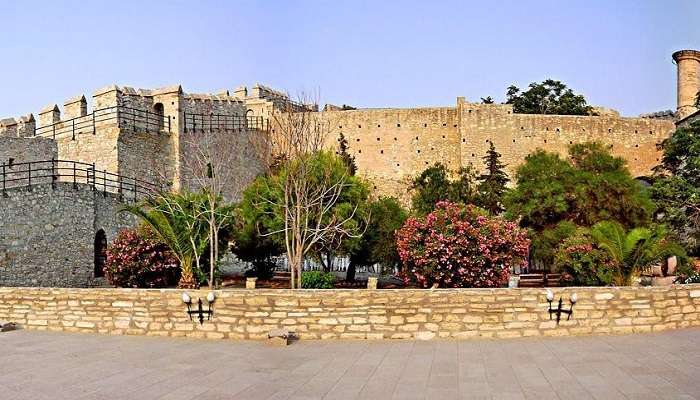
(582, 263)
(317, 280)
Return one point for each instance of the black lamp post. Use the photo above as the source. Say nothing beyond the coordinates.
(199, 311)
(560, 310)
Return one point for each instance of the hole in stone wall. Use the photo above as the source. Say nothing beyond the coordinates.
(359, 151)
(545, 140)
(513, 140)
(378, 139)
(11, 162)
(398, 125)
(381, 151)
(395, 139)
(398, 165)
(609, 130)
(418, 151)
(464, 140)
(651, 132)
(358, 139)
(379, 126)
(557, 129)
(359, 126)
(425, 125)
(444, 124)
(416, 137)
(443, 136)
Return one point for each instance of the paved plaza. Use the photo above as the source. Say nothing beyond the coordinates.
(43, 365)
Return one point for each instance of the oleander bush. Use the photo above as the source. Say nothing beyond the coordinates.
(317, 280)
(460, 246)
(136, 259)
(582, 263)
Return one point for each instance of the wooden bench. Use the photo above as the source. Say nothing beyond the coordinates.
(539, 280)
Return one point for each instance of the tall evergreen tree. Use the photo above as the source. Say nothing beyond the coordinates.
(348, 159)
(492, 183)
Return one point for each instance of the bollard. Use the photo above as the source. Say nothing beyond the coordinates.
(372, 283)
(250, 283)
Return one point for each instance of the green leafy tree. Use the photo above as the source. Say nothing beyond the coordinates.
(330, 226)
(593, 186)
(434, 184)
(676, 187)
(492, 183)
(487, 100)
(547, 97)
(635, 251)
(378, 243)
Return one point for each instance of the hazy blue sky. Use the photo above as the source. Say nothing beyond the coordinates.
(368, 54)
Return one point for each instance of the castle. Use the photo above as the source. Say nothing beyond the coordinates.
(62, 163)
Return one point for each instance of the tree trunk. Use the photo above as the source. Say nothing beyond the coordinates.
(350, 274)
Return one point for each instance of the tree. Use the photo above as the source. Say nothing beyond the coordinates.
(547, 97)
(179, 221)
(378, 243)
(487, 100)
(676, 187)
(300, 199)
(348, 159)
(633, 252)
(213, 164)
(434, 185)
(492, 183)
(460, 246)
(593, 186)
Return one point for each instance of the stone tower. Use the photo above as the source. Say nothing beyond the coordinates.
(688, 62)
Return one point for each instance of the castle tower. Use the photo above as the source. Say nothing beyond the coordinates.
(688, 62)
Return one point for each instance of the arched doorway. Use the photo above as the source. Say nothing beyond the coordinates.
(100, 253)
(160, 112)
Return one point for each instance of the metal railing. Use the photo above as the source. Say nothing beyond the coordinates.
(221, 122)
(30, 174)
(124, 117)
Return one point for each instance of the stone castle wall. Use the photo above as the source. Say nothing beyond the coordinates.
(355, 314)
(48, 233)
(19, 150)
(391, 146)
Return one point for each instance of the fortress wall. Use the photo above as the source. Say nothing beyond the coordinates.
(26, 149)
(391, 146)
(517, 135)
(241, 150)
(14, 150)
(146, 156)
(212, 104)
(48, 234)
(100, 148)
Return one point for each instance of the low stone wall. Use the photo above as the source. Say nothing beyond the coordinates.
(354, 314)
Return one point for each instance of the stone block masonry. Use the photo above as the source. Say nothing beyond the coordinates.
(354, 314)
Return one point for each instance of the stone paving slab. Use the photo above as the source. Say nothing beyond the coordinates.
(45, 365)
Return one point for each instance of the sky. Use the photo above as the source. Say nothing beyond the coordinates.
(362, 53)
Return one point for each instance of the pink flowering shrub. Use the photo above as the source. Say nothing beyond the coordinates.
(137, 259)
(460, 246)
(582, 263)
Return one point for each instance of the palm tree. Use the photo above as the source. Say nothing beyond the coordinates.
(635, 251)
(177, 219)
